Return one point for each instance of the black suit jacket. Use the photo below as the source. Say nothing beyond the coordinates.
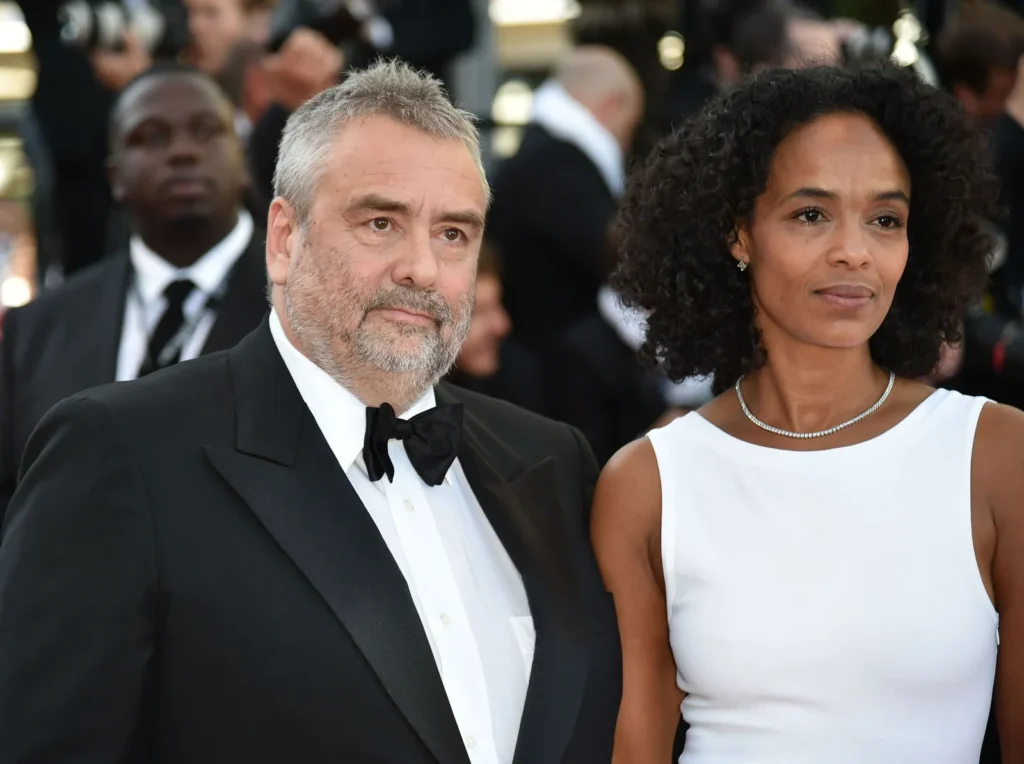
(550, 218)
(67, 341)
(599, 385)
(186, 575)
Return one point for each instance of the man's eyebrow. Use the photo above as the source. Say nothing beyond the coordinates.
(379, 203)
(465, 217)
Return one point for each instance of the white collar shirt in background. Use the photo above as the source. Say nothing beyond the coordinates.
(568, 120)
(145, 303)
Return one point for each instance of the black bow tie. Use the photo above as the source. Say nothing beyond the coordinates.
(431, 441)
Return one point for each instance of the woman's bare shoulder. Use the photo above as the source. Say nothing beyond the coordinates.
(998, 463)
(628, 494)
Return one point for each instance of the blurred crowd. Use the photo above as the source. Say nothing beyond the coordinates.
(144, 184)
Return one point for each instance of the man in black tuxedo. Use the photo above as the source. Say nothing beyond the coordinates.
(252, 558)
(191, 280)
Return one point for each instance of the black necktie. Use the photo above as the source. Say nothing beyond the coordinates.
(170, 324)
(431, 441)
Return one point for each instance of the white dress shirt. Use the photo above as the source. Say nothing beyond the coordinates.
(469, 595)
(631, 326)
(570, 121)
(151, 275)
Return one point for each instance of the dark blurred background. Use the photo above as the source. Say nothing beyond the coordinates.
(550, 334)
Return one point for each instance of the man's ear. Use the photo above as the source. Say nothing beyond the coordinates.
(282, 240)
(114, 179)
(968, 98)
(726, 66)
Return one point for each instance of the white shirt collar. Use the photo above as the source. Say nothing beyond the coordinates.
(340, 415)
(629, 323)
(568, 120)
(153, 273)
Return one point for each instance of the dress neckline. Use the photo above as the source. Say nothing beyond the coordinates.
(738, 446)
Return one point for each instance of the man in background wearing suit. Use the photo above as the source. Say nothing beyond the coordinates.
(305, 549)
(191, 279)
(555, 200)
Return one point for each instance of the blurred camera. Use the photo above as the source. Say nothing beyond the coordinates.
(340, 21)
(867, 43)
(102, 25)
(995, 345)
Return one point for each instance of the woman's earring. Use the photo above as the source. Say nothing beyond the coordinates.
(742, 265)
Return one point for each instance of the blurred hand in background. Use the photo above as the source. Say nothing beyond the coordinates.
(307, 64)
(115, 69)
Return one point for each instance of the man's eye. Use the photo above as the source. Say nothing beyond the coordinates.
(380, 224)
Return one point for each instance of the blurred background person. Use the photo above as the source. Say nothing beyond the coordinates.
(490, 362)
(215, 28)
(596, 383)
(70, 107)
(427, 34)
(977, 58)
(191, 280)
(734, 38)
(555, 200)
(306, 64)
(978, 53)
(258, 17)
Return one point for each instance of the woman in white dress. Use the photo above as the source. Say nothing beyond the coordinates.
(818, 565)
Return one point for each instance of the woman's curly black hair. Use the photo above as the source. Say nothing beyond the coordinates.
(682, 210)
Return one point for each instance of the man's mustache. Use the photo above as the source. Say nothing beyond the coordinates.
(414, 300)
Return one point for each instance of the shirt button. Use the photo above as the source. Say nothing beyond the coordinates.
(470, 742)
(445, 619)
(409, 505)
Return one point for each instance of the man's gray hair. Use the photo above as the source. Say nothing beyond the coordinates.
(388, 88)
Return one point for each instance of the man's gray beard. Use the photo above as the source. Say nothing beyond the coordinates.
(318, 325)
(436, 355)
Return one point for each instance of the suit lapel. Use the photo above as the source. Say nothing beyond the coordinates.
(286, 473)
(245, 303)
(518, 505)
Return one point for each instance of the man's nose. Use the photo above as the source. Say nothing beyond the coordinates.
(417, 265)
(183, 147)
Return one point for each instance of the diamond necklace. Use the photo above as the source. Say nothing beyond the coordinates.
(820, 433)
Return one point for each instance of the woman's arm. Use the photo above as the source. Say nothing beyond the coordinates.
(998, 526)
(626, 532)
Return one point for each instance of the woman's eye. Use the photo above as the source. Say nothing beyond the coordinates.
(888, 222)
(810, 216)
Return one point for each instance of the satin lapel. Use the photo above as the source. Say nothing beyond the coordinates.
(532, 530)
(286, 473)
(245, 303)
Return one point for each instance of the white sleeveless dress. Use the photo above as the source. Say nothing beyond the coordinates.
(826, 607)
